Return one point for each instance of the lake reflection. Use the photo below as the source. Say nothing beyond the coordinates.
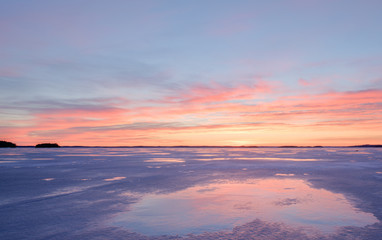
(223, 205)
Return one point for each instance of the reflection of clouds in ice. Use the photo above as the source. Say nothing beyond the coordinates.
(223, 205)
(287, 201)
(212, 159)
(207, 189)
(93, 155)
(127, 194)
(114, 179)
(161, 153)
(153, 166)
(243, 206)
(14, 158)
(48, 179)
(259, 159)
(356, 152)
(285, 174)
(165, 160)
(64, 191)
(279, 159)
(11, 154)
(287, 153)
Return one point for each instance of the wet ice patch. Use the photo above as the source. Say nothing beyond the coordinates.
(207, 189)
(285, 174)
(356, 152)
(6, 161)
(212, 159)
(153, 166)
(48, 179)
(161, 153)
(222, 206)
(165, 160)
(114, 179)
(232, 157)
(12, 154)
(14, 158)
(279, 159)
(287, 202)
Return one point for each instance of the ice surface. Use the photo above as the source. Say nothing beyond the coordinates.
(113, 179)
(223, 205)
(197, 193)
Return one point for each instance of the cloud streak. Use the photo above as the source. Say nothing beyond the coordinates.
(196, 73)
(209, 110)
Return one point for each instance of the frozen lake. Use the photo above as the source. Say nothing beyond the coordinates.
(191, 193)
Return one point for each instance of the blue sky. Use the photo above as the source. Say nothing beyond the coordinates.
(85, 57)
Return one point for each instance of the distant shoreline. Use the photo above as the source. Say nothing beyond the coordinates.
(355, 146)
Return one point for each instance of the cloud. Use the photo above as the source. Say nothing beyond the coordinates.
(216, 92)
(105, 128)
(232, 111)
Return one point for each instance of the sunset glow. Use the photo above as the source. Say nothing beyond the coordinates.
(164, 73)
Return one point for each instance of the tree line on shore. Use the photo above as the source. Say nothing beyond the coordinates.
(5, 144)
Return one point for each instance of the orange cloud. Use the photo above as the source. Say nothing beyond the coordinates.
(215, 115)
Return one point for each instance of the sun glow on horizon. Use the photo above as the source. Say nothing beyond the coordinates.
(285, 74)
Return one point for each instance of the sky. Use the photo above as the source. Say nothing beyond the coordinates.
(200, 72)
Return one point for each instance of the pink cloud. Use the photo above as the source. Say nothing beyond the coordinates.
(209, 110)
(304, 82)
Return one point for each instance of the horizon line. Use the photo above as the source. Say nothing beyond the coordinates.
(217, 146)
